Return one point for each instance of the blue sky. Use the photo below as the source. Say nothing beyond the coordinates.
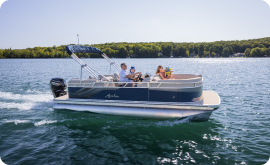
(31, 23)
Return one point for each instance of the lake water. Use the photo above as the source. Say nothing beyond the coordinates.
(31, 132)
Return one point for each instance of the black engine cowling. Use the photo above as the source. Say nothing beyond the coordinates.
(58, 86)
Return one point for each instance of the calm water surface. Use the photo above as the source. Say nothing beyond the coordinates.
(31, 132)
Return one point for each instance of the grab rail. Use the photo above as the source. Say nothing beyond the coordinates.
(91, 70)
(112, 63)
(148, 84)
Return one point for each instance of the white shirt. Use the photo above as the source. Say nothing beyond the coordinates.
(122, 76)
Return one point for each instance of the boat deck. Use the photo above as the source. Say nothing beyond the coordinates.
(210, 98)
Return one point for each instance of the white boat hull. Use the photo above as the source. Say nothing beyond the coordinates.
(195, 115)
(197, 111)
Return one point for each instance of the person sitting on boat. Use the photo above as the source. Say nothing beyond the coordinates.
(137, 77)
(161, 73)
(124, 75)
(131, 71)
(168, 71)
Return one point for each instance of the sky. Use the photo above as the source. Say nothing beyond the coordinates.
(45, 23)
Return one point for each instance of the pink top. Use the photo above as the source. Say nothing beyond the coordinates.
(163, 74)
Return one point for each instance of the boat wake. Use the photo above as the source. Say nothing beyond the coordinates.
(27, 101)
(36, 123)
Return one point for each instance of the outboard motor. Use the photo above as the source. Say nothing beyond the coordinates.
(58, 86)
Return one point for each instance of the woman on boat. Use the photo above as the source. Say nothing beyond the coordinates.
(161, 72)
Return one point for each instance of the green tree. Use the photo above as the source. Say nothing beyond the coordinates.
(191, 49)
(247, 52)
(267, 51)
(261, 46)
(166, 49)
(182, 52)
(256, 52)
(212, 54)
(6, 53)
(187, 53)
(123, 53)
(130, 52)
(1, 54)
(201, 48)
(226, 52)
(206, 54)
(196, 49)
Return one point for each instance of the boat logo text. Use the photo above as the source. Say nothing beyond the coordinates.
(111, 96)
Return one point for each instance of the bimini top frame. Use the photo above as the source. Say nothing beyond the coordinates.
(71, 49)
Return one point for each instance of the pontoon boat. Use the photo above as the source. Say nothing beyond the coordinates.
(179, 97)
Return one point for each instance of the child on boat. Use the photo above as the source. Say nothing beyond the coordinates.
(132, 71)
(168, 72)
(135, 78)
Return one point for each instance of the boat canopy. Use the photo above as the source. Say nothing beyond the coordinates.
(81, 49)
(71, 49)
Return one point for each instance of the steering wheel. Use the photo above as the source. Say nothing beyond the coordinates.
(138, 78)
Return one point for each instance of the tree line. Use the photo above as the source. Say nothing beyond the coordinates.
(251, 48)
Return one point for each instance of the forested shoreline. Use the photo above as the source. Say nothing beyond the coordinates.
(251, 48)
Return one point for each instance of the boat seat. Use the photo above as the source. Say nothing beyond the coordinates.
(156, 78)
(185, 76)
(147, 79)
(107, 76)
(193, 82)
(198, 79)
(73, 81)
(179, 76)
(188, 82)
(89, 81)
(116, 77)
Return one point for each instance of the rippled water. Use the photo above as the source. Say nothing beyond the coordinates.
(31, 132)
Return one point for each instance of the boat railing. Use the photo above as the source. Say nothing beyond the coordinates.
(93, 72)
(112, 63)
(103, 84)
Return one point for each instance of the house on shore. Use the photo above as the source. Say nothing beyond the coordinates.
(237, 55)
(193, 55)
(133, 55)
(216, 55)
(160, 55)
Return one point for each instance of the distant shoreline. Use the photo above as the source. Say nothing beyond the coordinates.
(244, 48)
(137, 58)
